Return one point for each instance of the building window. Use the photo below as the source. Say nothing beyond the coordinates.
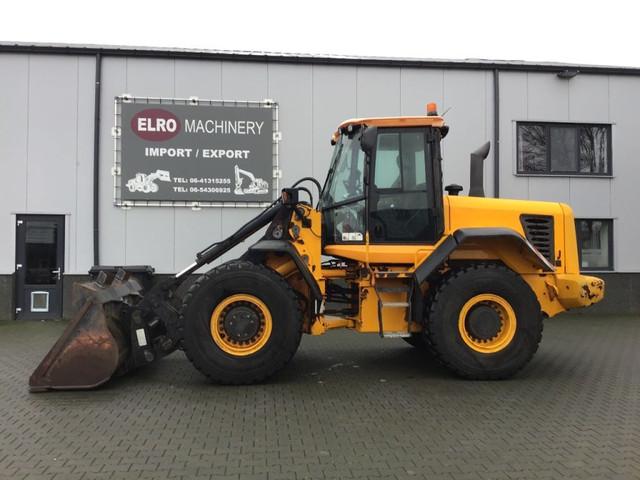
(595, 244)
(564, 149)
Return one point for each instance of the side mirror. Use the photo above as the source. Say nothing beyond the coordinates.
(368, 140)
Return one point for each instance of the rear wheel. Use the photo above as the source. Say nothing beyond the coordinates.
(484, 322)
(242, 323)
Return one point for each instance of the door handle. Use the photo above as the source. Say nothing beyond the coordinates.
(57, 273)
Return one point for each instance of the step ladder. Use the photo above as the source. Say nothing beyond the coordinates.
(408, 290)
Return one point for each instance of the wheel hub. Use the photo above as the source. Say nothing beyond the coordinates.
(241, 323)
(483, 322)
(487, 323)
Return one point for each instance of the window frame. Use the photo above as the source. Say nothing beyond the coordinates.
(610, 266)
(571, 173)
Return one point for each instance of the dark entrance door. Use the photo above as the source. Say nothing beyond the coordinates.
(39, 266)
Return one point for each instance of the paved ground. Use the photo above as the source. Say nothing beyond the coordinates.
(348, 406)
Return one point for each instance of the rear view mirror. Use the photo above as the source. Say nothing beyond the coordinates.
(368, 140)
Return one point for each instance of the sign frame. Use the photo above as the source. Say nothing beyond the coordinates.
(116, 133)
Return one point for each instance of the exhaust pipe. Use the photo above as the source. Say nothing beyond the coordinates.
(476, 182)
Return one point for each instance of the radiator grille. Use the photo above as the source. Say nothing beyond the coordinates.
(539, 231)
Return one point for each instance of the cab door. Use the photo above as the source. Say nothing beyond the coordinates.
(403, 206)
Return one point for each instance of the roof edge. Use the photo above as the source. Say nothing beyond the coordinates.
(300, 58)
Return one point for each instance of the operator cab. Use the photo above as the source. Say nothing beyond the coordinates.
(385, 181)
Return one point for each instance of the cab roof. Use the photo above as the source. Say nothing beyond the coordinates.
(417, 121)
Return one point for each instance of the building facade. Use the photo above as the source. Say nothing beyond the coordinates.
(562, 133)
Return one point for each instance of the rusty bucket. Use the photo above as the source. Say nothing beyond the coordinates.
(95, 345)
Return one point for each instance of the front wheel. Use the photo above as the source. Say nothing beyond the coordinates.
(484, 322)
(242, 323)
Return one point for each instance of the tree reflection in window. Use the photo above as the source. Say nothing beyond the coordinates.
(532, 154)
(594, 147)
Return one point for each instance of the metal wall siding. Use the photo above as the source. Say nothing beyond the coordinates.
(625, 195)
(14, 120)
(53, 98)
(377, 92)
(465, 99)
(513, 106)
(80, 234)
(334, 100)
(291, 86)
(46, 125)
(112, 220)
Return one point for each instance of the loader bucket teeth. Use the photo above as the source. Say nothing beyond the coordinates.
(94, 346)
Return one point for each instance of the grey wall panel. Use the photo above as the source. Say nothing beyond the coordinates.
(112, 219)
(591, 197)
(14, 120)
(195, 78)
(244, 81)
(53, 120)
(547, 97)
(291, 87)
(589, 98)
(377, 92)
(513, 107)
(194, 230)
(150, 231)
(465, 98)
(419, 87)
(625, 194)
(550, 189)
(334, 100)
(81, 219)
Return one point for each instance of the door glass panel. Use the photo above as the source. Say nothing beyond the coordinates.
(399, 206)
(40, 252)
(345, 223)
(388, 161)
(347, 178)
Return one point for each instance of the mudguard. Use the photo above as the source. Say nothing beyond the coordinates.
(468, 235)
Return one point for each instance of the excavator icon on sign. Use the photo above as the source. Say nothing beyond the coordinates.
(146, 183)
(257, 186)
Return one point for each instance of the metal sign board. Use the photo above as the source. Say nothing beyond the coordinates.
(195, 152)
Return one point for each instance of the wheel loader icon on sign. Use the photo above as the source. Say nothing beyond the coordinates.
(146, 183)
(257, 186)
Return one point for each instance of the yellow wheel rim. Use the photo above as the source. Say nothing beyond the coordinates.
(241, 325)
(502, 333)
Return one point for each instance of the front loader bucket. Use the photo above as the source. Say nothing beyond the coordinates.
(95, 344)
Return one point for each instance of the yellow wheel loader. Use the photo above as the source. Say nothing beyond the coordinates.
(383, 251)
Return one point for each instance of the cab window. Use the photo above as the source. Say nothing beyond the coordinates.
(343, 197)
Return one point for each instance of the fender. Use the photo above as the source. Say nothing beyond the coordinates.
(468, 235)
(283, 246)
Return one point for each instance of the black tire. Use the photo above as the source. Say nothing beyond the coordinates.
(442, 331)
(240, 277)
(417, 340)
